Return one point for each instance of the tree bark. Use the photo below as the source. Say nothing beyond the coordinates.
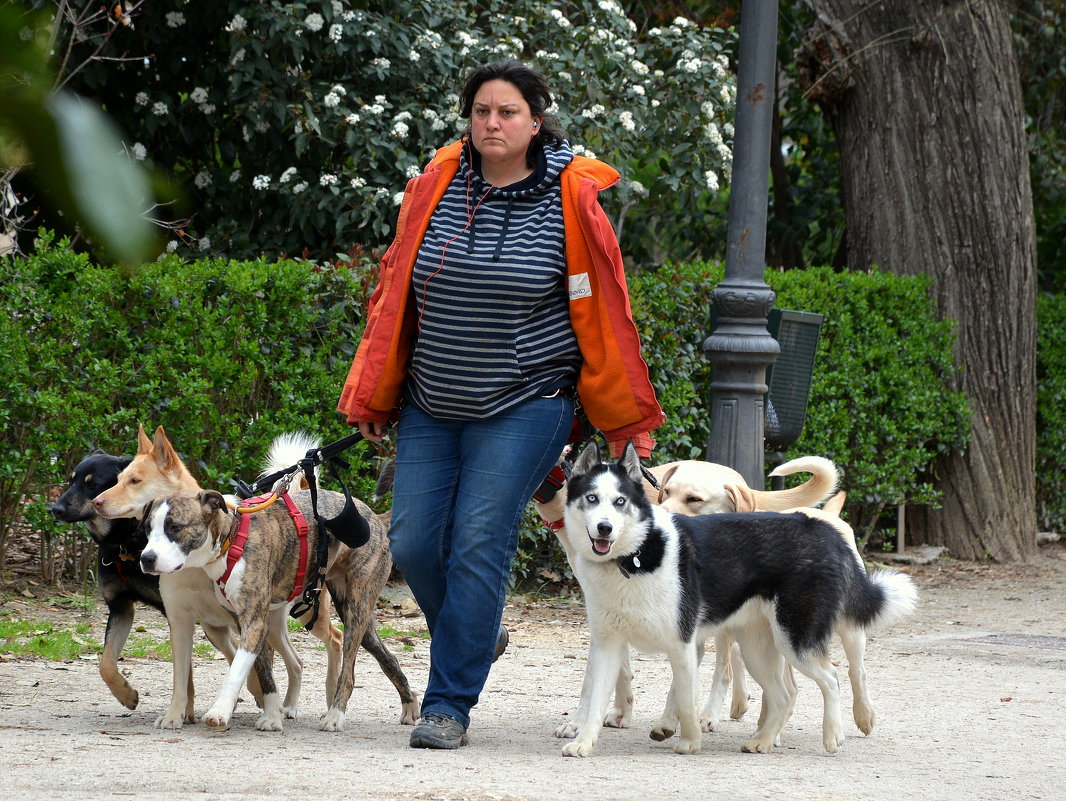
(926, 104)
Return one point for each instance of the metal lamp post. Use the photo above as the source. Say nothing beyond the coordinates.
(740, 348)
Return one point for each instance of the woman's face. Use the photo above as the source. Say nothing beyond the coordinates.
(501, 125)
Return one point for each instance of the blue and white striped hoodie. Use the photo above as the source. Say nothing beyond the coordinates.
(490, 290)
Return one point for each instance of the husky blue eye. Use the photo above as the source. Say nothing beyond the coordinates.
(620, 502)
(591, 498)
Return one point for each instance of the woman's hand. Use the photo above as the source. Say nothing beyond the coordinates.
(371, 430)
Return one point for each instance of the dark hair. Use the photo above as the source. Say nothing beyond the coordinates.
(531, 84)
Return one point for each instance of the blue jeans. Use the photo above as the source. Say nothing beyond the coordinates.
(458, 496)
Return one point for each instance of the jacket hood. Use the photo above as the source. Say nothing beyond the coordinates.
(603, 175)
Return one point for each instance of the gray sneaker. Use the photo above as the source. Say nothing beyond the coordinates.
(437, 730)
(502, 638)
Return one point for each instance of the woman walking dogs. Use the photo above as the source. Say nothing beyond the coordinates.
(502, 303)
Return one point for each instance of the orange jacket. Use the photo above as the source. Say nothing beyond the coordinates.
(613, 383)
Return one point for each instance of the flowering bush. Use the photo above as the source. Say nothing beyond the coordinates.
(294, 126)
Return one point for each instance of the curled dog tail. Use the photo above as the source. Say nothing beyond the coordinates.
(287, 450)
(822, 484)
(889, 596)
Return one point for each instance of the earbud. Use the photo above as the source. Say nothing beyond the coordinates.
(535, 125)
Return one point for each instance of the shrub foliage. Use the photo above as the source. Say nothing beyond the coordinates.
(227, 354)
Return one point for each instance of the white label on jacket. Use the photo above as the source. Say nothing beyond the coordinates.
(580, 287)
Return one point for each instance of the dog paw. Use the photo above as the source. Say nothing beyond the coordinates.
(756, 747)
(661, 733)
(617, 718)
(832, 741)
(567, 731)
(738, 708)
(333, 720)
(687, 746)
(410, 712)
(710, 724)
(168, 722)
(289, 712)
(128, 697)
(216, 720)
(578, 749)
(864, 719)
(268, 723)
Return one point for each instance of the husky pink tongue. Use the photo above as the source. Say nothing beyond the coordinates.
(601, 546)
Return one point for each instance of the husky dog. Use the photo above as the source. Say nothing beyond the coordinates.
(781, 582)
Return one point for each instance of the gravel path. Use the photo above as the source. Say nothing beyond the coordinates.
(970, 697)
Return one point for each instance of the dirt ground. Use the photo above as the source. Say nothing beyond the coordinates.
(970, 697)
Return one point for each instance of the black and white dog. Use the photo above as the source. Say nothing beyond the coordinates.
(782, 582)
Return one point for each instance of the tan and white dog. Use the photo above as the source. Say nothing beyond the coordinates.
(718, 489)
(158, 471)
(196, 532)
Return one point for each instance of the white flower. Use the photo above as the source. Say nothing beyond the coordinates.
(198, 95)
(349, 16)
(160, 109)
(238, 23)
(626, 118)
(712, 180)
(438, 124)
(377, 109)
(581, 150)
(413, 55)
(172, 246)
(352, 119)
(141, 99)
(465, 39)
(140, 152)
(728, 128)
(235, 176)
(327, 179)
(336, 31)
(655, 102)
(381, 63)
(202, 180)
(380, 192)
(692, 65)
(413, 171)
(638, 188)
(238, 57)
(560, 20)
(175, 19)
(565, 76)
(314, 22)
(400, 130)
(339, 89)
(594, 112)
(285, 176)
(397, 199)
(300, 187)
(208, 108)
(204, 243)
(713, 133)
(639, 67)
(332, 99)
(611, 6)
(261, 182)
(638, 89)
(338, 7)
(358, 183)
(681, 22)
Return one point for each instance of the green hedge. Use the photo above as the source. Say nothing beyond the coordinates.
(224, 354)
(1051, 412)
(879, 406)
(227, 354)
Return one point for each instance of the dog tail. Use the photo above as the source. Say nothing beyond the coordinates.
(822, 484)
(899, 597)
(287, 450)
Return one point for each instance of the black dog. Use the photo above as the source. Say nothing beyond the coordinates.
(118, 572)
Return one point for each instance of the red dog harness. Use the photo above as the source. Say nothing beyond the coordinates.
(243, 524)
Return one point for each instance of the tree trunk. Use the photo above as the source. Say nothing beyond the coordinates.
(926, 104)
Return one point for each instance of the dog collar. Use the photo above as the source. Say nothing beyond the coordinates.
(630, 564)
(558, 524)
